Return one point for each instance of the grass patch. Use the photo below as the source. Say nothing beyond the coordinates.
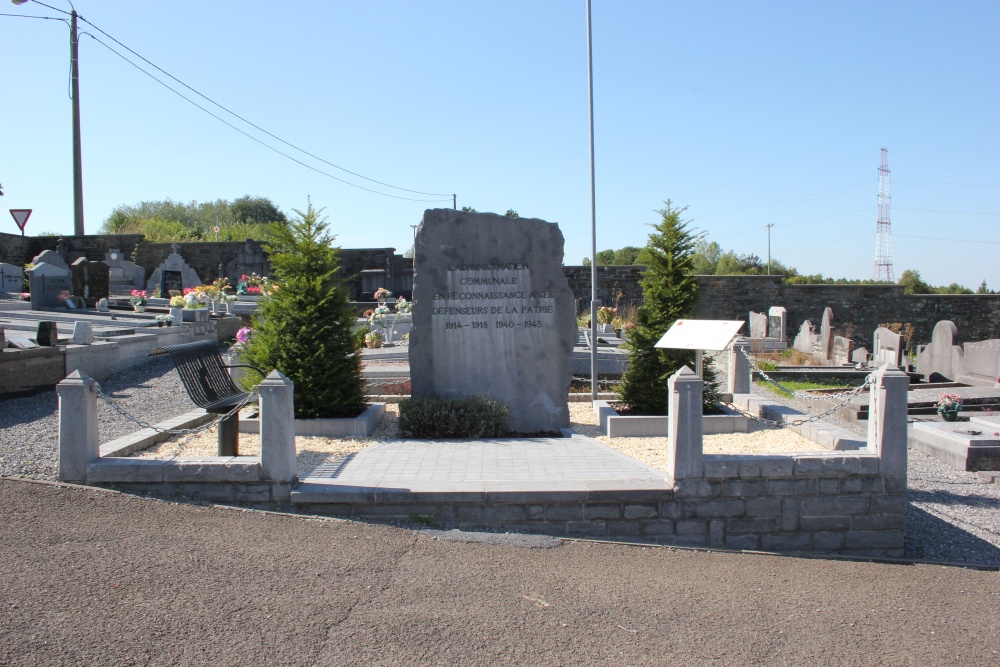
(799, 385)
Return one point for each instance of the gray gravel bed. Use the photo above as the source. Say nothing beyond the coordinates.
(29, 426)
(952, 515)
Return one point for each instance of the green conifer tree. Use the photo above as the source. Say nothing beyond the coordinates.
(303, 328)
(670, 293)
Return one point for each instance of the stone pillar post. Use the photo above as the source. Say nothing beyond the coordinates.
(684, 444)
(887, 419)
(277, 430)
(78, 442)
(739, 368)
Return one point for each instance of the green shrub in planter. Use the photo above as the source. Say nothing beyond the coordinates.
(469, 417)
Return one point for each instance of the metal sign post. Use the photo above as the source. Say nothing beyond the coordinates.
(21, 216)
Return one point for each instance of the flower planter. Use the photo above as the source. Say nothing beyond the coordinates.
(139, 309)
(949, 414)
(196, 315)
(371, 344)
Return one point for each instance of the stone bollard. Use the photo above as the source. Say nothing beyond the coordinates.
(738, 381)
(277, 433)
(78, 443)
(887, 419)
(684, 438)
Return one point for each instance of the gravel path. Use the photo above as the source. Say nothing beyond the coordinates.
(952, 516)
(29, 427)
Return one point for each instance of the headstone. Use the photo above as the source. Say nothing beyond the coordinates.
(495, 315)
(859, 356)
(83, 333)
(171, 281)
(50, 286)
(3, 338)
(888, 347)
(805, 339)
(52, 258)
(982, 358)
(943, 359)
(102, 306)
(80, 273)
(11, 278)
(758, 325)
(826, 333)
(776, 316)
(840, 350)
(174, 264)
(250, 259)
(47, 335)
(100, 282)
(22, 343)
(123, 271)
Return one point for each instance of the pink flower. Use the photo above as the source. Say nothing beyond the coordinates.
(243, 334)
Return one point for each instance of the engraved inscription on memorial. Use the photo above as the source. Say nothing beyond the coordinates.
(489, 297)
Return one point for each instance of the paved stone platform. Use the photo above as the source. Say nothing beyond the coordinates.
(563, 469)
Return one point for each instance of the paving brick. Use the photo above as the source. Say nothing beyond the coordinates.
(670, 509)
(763, 507)
(536, 512)
(602, 512)
(828, 486)
(866, 484)
(716, 533)
(754, 525)
(877, 522)
(791, 487)
(748, 542)
(687, 528)
(868, 465)
(712, 509)
(624, 528)
(790, 514)
(785, 542)
(698, 488)
(776, 467)
(895, 485)
(826, 465)
(216, 492)
(641, 512)
(657, 528)
(716, 467)
(749, 466)
(572, 512)
(874, 539)
(828, 540)
(586, 528)
(252, 493)
(496, 513)
(835, 505)
(742, 488)
(888, 504)
(825, 522)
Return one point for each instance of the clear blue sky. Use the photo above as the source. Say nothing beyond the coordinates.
(746, 112)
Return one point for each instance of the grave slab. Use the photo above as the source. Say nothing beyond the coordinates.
(969, 446)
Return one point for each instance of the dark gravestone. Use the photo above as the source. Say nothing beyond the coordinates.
(91, 280)
(494, 315)
(47, 335)
(171, 280)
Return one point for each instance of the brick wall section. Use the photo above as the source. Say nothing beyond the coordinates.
(204, 258)
(830, 504)
(93, 248)
(14, 249)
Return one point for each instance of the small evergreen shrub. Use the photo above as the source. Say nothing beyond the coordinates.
(440, 418)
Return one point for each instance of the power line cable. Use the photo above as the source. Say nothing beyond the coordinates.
(250, 136)
(257, 127)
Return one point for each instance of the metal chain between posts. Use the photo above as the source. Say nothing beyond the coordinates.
(179, 431)
(847, 397)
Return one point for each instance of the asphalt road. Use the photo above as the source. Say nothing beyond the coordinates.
(92, 577)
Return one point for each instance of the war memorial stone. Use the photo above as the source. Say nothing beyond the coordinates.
(494, 315)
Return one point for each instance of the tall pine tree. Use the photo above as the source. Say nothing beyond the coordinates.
(303, 328)
(670, 293)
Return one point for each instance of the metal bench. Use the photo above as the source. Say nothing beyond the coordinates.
(210, 386)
